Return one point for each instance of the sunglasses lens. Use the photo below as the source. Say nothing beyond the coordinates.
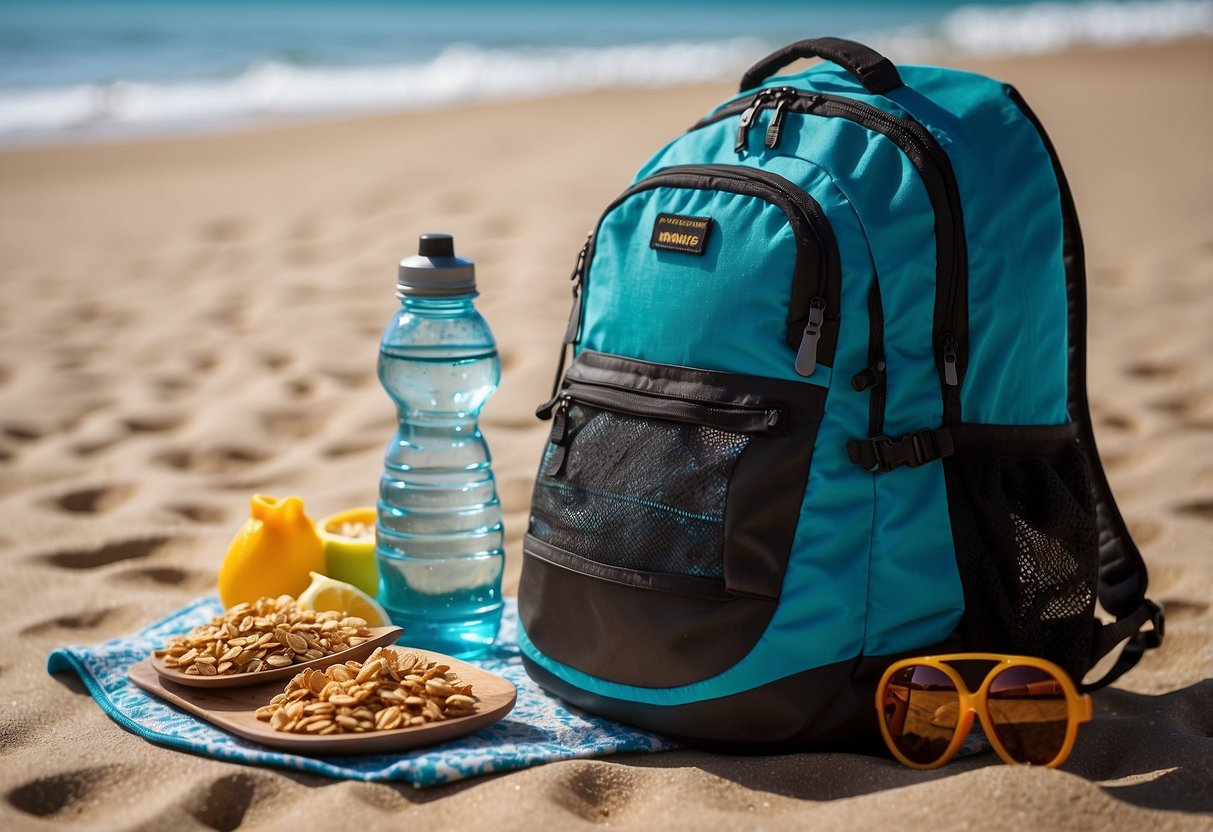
(1027, 707)
(921, 708)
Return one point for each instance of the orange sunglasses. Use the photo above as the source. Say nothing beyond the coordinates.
(1029, 708)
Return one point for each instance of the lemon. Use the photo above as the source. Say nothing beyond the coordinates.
(325, 593)
(272, 554)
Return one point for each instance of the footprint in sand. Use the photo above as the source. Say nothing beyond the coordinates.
(350, 379)
(218, 460)
(95, 500)
(48, 796)
(1154, 370)
(83, 620)
(153, 577)
(153, 423)
(222, 805)
(1200, 509)
(275, 360)
(300, 388)
(22, 431)
(106, 554)
(596, 793)
(1177, 406)
(1119, 422)
(197, 512)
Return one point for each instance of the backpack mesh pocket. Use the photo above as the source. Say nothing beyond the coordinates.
(1026, 542)
(639, 493)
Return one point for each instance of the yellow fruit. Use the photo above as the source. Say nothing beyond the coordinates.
(273, 553)
(349, 547)
(324, 593)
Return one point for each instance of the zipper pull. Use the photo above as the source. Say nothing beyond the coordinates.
(579, 267)
(747, 118)
(544, 411)
(578, 274)
(950, 376)
(871, 377)
(559, 439)
(806, 356)
(776, 124)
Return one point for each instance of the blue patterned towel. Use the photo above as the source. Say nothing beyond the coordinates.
(539, 729)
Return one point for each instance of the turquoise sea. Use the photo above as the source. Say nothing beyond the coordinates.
(86, 68)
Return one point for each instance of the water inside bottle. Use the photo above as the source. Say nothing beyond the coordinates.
(439, 533)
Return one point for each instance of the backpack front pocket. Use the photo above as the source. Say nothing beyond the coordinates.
(664, 511)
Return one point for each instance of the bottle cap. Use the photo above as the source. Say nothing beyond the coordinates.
(435, 270)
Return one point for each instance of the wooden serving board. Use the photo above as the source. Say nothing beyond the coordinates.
(380, 637)
(233, 709)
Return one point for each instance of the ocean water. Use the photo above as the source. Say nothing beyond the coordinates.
(74, 69)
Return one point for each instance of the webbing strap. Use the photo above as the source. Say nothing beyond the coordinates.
(881, 454)
(1107, 636)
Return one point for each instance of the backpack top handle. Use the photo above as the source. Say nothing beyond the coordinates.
(870, 68)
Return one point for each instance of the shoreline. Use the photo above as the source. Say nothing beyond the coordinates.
(119, 134)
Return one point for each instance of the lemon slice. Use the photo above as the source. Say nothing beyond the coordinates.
(325, 593)
(349, 547)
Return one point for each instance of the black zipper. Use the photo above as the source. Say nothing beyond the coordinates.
(875, 379)
(806, 328)
(951, 326)
(736, 418)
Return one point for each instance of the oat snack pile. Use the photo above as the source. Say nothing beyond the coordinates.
(392, 689)
(269, 633)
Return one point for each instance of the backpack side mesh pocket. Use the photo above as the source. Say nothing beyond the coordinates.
(1027, 549)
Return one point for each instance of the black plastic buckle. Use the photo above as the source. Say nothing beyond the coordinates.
(884, 453)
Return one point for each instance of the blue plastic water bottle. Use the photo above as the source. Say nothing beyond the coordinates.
(439, 540)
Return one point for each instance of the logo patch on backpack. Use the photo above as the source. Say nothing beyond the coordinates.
(674, 232)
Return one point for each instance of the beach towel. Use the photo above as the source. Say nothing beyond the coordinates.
(539, 729)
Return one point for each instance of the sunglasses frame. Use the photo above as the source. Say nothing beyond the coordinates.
(1078, 705)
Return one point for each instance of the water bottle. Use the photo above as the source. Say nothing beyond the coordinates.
(438, 533)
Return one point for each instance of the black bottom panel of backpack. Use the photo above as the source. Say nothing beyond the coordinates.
(830, 708)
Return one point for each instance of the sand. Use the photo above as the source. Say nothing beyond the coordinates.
(186, 321)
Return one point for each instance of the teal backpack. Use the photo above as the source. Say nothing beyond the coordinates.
(827, 409)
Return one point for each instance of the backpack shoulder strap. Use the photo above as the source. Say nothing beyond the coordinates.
(1122, 572)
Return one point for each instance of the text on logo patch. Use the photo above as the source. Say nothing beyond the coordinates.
(674, 232)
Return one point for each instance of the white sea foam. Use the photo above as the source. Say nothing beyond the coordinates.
(466, 72)
(458, 73)
(1049, 27)
(991, 31)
